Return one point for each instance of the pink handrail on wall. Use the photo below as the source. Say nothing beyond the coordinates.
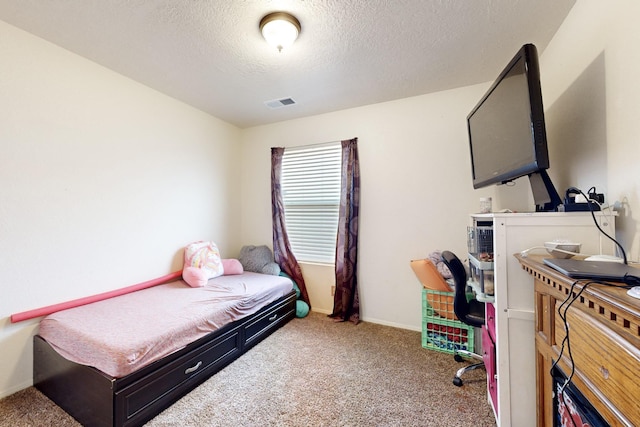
(43, 311)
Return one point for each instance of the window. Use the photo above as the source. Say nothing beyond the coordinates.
(311, 197)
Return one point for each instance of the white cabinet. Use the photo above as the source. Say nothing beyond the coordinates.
(514, 298)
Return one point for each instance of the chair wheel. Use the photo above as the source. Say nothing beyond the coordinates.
(458, 358)
(457, 382)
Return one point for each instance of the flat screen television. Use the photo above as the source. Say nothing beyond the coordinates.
(507, 134)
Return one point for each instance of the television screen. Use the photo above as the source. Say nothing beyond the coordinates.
(507, 135)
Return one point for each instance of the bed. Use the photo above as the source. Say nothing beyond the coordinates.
(121, 361)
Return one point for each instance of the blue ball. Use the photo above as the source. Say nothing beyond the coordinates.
(302, 308)
(295, 285)
(297, 289)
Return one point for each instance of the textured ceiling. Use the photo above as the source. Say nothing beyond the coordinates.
(210, 54)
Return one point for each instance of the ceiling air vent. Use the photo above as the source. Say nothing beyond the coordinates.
(279, 103)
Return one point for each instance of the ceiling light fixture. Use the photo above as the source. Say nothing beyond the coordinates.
(280, 29)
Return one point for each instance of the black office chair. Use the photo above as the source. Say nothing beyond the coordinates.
(469, 312)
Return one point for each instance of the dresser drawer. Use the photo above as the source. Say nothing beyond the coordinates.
(490, 315)
(489, 358)
(269, 320)
(149, 395)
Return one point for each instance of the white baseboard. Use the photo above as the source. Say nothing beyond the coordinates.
(378, 321)
(15, 389)
(392, 324)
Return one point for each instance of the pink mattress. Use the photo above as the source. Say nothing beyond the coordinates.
(120, 335)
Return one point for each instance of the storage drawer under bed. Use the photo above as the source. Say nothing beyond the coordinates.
(158, 390)
(262, 324)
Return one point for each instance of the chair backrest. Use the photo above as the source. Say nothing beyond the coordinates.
(461, 306)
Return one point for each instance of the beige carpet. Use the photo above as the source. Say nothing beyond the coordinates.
(313, 372)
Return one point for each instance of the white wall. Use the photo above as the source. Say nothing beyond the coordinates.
(592, 94)
(416, 192)
(102, 183)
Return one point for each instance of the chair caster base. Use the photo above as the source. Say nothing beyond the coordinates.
(457, 381)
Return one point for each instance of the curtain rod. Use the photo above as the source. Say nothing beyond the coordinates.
(319, 144)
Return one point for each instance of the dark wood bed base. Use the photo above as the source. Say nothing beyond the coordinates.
(96, 399)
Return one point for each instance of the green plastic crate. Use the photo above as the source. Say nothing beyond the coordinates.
(441, 332)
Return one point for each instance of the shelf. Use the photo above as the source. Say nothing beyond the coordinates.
(482, 265)
(481, 279)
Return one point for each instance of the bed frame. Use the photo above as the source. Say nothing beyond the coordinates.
(96, 399)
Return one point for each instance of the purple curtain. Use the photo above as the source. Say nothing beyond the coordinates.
(281, 248)
(346, 302)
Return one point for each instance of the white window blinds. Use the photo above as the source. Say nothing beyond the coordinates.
(311, 195)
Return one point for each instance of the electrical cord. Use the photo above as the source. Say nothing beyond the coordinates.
(607, 211)
(593, 215)
(566, 343)
(629, 280)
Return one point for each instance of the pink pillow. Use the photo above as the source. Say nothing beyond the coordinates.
(232, 266)
(194, 276)
(204, 257)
